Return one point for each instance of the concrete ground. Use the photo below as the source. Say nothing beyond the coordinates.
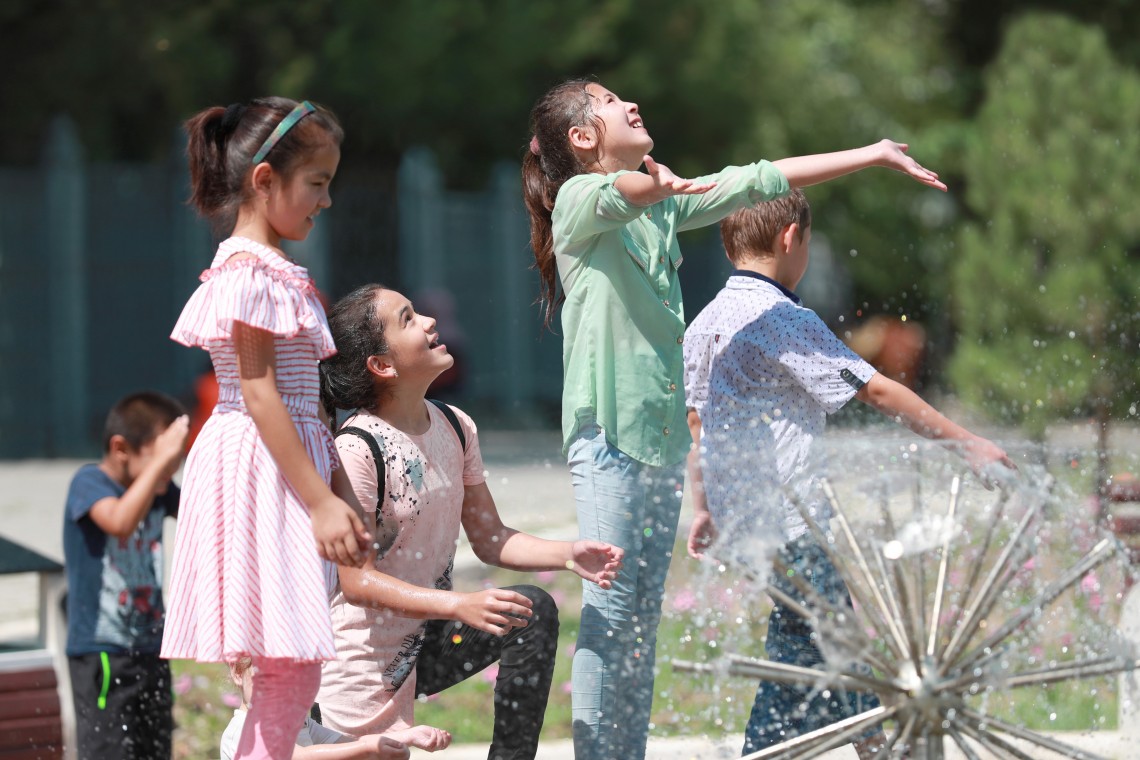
(528, 477)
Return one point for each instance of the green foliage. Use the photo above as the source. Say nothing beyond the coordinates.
(1045, 283)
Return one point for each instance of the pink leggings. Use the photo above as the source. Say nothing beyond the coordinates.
(283, 692)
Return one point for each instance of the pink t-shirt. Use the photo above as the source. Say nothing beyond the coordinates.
(371, 686)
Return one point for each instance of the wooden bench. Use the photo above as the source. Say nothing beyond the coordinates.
(35, 709)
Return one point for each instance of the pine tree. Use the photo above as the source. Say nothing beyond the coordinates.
(1046, 281)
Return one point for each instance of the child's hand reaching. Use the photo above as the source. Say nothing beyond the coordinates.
(894, 157)
(495, 610)
(339, 533)
(702, 534)
(596, 561)
(987, 461)
(664, 178)
(427, 738)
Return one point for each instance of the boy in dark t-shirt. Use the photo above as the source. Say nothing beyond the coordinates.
(112, 542)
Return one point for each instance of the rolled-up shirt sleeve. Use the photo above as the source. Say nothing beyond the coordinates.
(590, 204)
(737, 187)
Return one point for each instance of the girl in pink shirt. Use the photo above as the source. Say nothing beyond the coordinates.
(401, 631)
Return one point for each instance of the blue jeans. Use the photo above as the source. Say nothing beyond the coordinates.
(634, 506)
(782, 711)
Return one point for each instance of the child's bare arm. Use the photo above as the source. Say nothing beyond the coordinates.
(906, 407)
(657, 183)
(492, 610)
(120, 517)
(702, 532)
(496, 544)
(338, 530)
(372, 747)
(803, 171)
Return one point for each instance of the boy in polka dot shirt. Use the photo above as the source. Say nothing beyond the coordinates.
(762, 372)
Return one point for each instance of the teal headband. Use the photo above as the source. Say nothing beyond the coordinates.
(303, 109)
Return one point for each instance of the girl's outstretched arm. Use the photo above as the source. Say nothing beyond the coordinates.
(339, 533)
(657, 183)
(494, 610)
(802, 171)
(496, 544)
(907, 408)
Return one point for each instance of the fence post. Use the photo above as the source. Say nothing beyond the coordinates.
(189, 245)
(66, 355)
(419, 191)
(510, 245)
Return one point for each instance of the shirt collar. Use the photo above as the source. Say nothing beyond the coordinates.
(756, 275)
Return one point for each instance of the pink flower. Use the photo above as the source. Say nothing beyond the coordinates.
(546, 576)
(571, 649)
(231, 700)
(491, 673)
(183, 684)
(567, 687)
(684, 600)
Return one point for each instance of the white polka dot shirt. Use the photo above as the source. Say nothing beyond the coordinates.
(764, 372)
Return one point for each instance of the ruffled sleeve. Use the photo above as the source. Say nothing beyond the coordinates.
(248, 291)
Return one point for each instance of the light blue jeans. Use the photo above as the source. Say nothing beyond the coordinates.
(634, 506)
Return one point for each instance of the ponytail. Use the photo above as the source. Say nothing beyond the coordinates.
(358, 332)
(221, 144)
(548, 163)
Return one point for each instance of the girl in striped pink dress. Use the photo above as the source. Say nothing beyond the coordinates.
(248, 577)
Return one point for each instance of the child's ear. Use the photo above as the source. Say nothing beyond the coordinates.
(380, 367)
(262, 179)
(583, 138)
(789, 237)
(119, 447)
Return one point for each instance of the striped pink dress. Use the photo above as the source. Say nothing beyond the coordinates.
(246, 575)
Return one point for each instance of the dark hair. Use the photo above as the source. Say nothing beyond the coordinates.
(138, 417)
(752, 231)
(222, 142)
(358, 332)
(564, 106)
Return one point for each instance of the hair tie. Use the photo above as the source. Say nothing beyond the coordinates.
(302, 109)
(534, 146)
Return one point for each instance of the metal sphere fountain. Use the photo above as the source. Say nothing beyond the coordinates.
(925, 665)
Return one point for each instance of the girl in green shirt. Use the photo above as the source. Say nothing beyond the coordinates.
(604, 236)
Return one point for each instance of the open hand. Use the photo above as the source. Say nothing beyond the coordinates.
(494, 610)
(596, 561)
(894, 157)
(340, 535)
(665, 179)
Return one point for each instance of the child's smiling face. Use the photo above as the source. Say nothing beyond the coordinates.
(414, 350)
(623, 136)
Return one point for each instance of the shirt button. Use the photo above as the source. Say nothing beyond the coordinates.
(666, 302)
(660, 259)
(665, 431)
(672, 387)
(680, 339)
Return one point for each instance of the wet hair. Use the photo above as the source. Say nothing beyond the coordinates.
(223, 140)
(543, 174)
(358, 332)
(139, 417)
(752, 231)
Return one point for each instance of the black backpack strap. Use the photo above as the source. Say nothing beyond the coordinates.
(450, 415)
(377, 456)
